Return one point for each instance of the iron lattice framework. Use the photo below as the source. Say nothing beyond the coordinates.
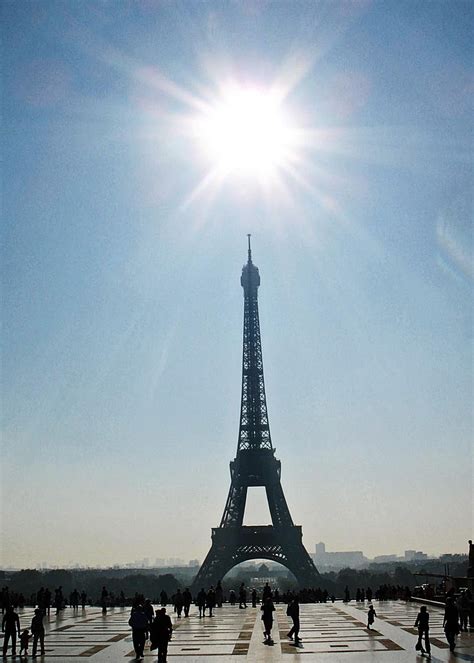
(255, 465)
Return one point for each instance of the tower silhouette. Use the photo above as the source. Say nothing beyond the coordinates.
(255, 465)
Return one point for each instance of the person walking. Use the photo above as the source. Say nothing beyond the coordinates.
(242, 596)
(267, 592)
(187, 600)
(149, 611)
(371, 615)
(267, 616)
(160, 634)
(37, 631)
(10, 626)
(219, 594)
(24, 641)
(47, 601)
(178, 603)
(201, 602)
(211, 600)
(254, 598)
(293, 611)
(464, 603)
(139, 624)
(451, 622)
(104, 595)
(423, 626)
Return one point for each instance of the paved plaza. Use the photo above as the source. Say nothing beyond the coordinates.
(330, 632)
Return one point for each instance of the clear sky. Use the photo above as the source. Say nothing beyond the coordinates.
(123, 241)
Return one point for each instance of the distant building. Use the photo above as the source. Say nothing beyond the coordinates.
(382, 559)
(413, 555)
(338, 559)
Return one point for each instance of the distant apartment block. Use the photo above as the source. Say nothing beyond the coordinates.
(338, 559)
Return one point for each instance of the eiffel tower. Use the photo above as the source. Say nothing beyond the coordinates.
(255, 465)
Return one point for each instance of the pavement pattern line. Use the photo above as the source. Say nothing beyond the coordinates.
(331, 633)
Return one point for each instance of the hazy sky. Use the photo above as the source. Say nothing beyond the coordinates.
(122, 306)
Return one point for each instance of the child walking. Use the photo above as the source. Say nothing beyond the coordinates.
(371, 615)
(24, 640)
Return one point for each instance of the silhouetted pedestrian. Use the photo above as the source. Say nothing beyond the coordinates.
(75, 599)
(163, 598)
(451, 622)
(47, 601)
(371, 615)
(10, 626)
(178, 603)
(24, 641)
(242, 596)
(187, 600)
(103, 599)
(219, 594)
(149, 611)
(83, 600)
(58, 599)
(139, 624)
(267, 616)
(293, 611)
(422, 623)
(232, 597)
(267, 592)
(211, 600)
(201, 602)
(37, 630)
(254, 598)
(160, 634)
(347, 595)
(464, 604)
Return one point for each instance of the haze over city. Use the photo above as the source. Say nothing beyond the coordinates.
(142, 142)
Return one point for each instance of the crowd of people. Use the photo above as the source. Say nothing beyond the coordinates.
(156, 625)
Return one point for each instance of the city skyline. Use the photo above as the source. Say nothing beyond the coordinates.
(124, 238)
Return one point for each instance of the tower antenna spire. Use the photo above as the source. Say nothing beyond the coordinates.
(250, 248)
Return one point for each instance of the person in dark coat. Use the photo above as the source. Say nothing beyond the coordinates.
(254, 598)
(178, 602)
(160, 634)
(187, 600)
(267, 592)
(10, 626)
(37, 630)
(451, 622)
(139, 625)
(422, 623)
(293, 611)
(267, 616)
(371, 615)
(211, 600)
(219, 594)
(201, 602)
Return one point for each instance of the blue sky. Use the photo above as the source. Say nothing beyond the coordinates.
(122, 307)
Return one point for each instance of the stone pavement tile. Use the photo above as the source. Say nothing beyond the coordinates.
(331, 633)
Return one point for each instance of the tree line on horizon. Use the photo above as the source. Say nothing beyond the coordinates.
(29, 581)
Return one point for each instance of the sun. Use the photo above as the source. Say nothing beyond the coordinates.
(246, 132)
